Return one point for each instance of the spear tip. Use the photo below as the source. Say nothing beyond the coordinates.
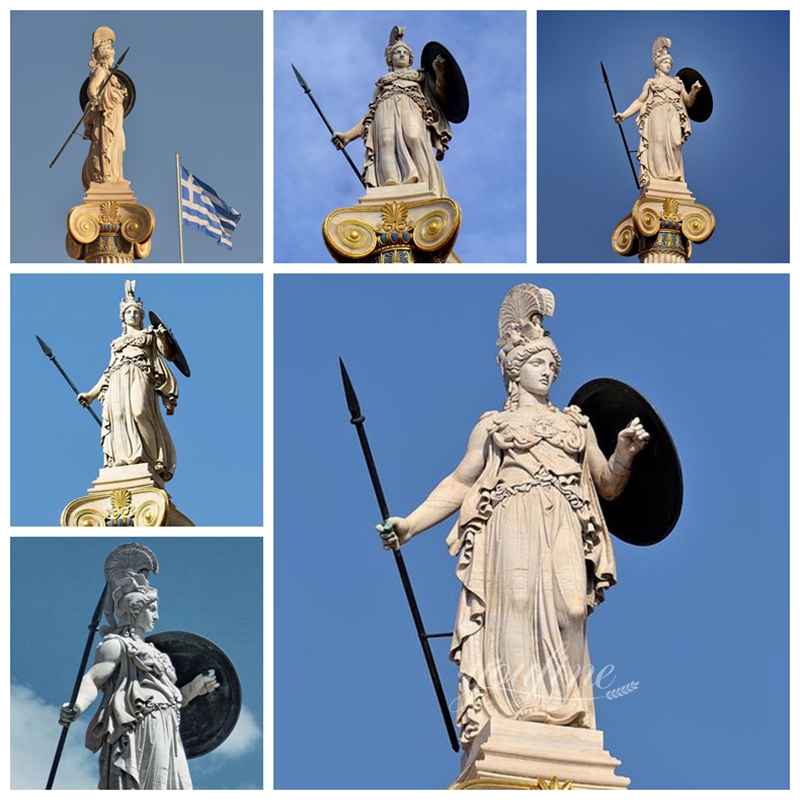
(353, 405)
(605, 77)
(122, 57)
(300, 79)
(45, 349)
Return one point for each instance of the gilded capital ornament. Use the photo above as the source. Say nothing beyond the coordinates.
(662, 230)
(395, 232)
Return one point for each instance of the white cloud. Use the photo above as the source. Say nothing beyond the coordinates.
(246, 735)
(34, 737)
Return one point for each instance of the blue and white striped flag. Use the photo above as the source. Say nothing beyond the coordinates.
(204, 209)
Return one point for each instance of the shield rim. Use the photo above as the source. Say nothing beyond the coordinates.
(454, 71)
(704, 105)
(161, 641)
(127, 103)
(180, 359)
(628, 531)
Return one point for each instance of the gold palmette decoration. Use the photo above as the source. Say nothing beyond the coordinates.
(109, 213)
(121, 508)
(395, 218)
(553, 783)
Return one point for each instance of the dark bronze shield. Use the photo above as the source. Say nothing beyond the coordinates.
(457, 106)
(180, 358)
(703, 105)
(208, 720)
(648, 509)
(127, 83)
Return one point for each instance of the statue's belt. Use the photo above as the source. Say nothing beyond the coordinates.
(142, 363)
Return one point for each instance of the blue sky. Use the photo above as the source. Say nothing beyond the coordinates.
(340, 55)
(700, 620)
(217, 426)
(55, 585)
(736, 162)
(184, 104)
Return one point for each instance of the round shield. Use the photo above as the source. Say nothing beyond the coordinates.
(207, 721)
(457, 106)
(649, 507)
(703, 105)
(125, 81)
(180, 358)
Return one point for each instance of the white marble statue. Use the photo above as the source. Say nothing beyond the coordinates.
(103, 122)
(136, 727)
(137, 376)
(534, 554)
(405, 124)
(663, 120)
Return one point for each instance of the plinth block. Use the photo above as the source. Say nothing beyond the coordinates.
(507, 754)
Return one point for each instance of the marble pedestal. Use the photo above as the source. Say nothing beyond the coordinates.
(110, 227)
(507, 754)
(664, 224)
(394, 225)
(131, 496)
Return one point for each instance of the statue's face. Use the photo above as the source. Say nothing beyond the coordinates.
(132, 317)
(401, 58)
(665, 65)
(538, 373)
(146, 619)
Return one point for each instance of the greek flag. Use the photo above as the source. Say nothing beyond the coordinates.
(204, 209)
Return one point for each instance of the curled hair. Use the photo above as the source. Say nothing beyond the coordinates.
(139, 600)
(512, 362)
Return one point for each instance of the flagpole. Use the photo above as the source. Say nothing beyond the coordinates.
(180, 210)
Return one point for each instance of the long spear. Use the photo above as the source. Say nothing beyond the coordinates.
(74, 699)
(307, 90)
(49, 353)
(357, 419)
(624, 140)
(103, 86)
